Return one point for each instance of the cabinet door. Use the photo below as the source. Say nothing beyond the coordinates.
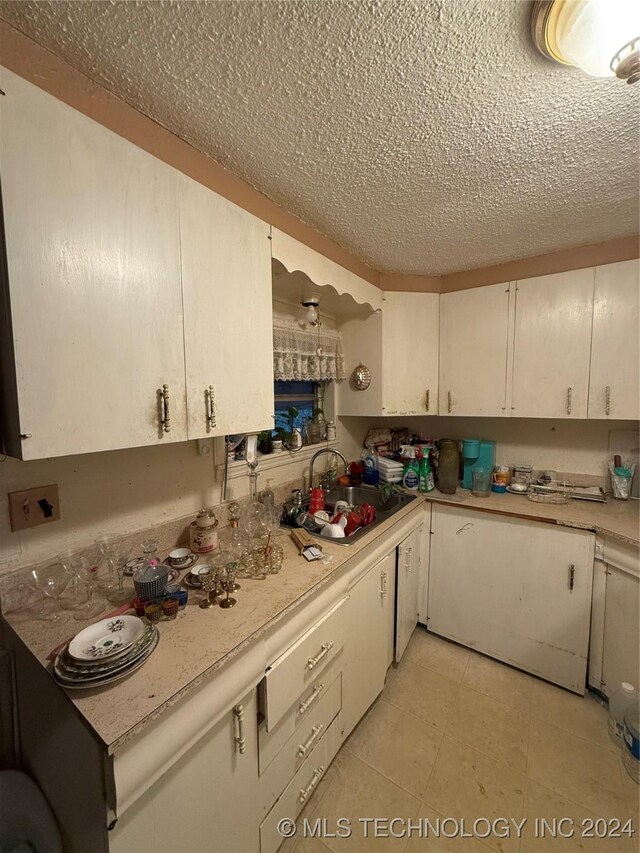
(474, 335)
(516, 590)
(615, 352)
(208, 800)
(226, 279)
(552, 345)
(92, 246)
(621, 656)
(369, 641)
(410, 353)
(408, 581)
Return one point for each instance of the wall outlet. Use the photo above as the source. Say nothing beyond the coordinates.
(32, 507)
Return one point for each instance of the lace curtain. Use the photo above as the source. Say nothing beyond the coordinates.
(305, 355)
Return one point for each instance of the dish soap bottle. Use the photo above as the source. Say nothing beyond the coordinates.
(427, 482)
(411, 474)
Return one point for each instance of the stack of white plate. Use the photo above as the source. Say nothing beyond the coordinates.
(390, 470)
(105, 652)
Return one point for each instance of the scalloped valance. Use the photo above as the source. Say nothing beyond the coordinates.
(306, 355)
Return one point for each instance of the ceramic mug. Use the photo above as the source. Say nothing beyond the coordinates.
(332, 531)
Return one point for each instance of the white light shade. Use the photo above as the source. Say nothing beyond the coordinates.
(589, 33)
(312, 314)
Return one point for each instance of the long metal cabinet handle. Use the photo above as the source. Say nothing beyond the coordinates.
(449, 401)
(569, 395)
(313, 737)
(383, 584)
(211, 399)
(325, 648)
(165, 417)
(239, 740)
(607, 400)
(408, 561)
(304, 706)
(426, 402)
(572, 577)
(305, 793)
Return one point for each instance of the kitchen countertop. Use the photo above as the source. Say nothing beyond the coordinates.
(199, 642)
(617, 519)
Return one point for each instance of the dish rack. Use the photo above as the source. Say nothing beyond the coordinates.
(548, 494)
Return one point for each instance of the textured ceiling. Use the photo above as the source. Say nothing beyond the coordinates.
(425, 137)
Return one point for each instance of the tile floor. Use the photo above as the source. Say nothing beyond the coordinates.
(455, 734)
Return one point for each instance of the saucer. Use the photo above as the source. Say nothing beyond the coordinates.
(188, 563)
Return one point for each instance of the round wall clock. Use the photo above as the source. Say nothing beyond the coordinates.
(361, 378)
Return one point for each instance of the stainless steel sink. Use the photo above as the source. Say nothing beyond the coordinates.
(356, 496)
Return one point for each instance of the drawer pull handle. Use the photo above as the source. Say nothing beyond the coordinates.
(569, 396)
(313, 737)
(572, 577)
(165, 417)
(426, 402)
(407, 561)
(211, 406)
(238, 739)
(607, 400)
(307, 703)
(449, 401)
(305, 793)
(325, 648)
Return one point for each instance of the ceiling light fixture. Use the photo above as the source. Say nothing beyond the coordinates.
(602, 37)
(311, 304)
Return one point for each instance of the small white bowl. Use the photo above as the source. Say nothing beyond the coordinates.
(179, 556)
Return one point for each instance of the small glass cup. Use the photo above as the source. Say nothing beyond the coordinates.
(481, 487)
(275, 558)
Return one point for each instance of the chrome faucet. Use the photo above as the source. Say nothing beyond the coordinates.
(319, 453)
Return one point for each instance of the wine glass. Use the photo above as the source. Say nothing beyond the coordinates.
(227, 581)
(85, 565)
(211, 585)
(230, 553)
(116, 551)
(52, 580)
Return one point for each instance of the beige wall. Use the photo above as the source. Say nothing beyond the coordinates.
(118, 492)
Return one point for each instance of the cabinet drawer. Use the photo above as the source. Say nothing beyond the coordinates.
(299, 790)
(301, 664)
(271, 742)
(277, 775)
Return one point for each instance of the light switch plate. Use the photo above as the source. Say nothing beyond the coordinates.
(32, 507)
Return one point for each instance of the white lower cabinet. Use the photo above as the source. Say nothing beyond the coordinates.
(614, 654)
(369, 648)
(207, 800)
(517, 590)
(410, 560)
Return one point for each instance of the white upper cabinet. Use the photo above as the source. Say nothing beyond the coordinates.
(410, 353)
(93, 279)
(474, 341)
(552, 345)
(615, 356)
(399, 345)
(226, 277)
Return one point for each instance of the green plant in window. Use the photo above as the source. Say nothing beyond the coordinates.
(285, 428)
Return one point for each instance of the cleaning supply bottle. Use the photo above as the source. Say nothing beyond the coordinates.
(427, 482)
(618, 704)
(411, 474)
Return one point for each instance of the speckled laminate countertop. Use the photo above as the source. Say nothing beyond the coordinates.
(616, 519)
(199, 642)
